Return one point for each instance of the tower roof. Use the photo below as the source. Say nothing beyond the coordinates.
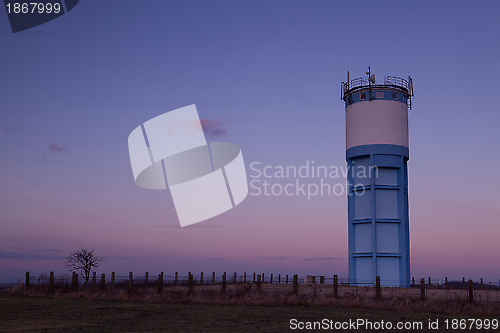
(392, 83)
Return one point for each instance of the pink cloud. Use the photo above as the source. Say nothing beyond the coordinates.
(57, 148)
(213, 128)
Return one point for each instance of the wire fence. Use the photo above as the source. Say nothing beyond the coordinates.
(440, 290)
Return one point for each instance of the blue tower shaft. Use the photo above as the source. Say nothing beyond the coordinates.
(378, 214)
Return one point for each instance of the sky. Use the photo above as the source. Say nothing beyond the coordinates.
(265, 75)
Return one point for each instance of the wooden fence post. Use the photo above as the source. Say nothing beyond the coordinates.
(422, 289)
(74, 281)
(224, 282)
(378, 288)
(258, 282)
(27, 280)
(213, 277)
(112, 278)
(160, 282)
(322, 279)
(263, 280)
(286, 281)
(190, 283)
(176, 278)
(235, 279)
(51, 280)
(253, 277)
(201, 278)
(94, 278)
(471, 292)
(245, 277)
(279, 278)
(271, 279)
(463, 281)
(130, 281)
(103, 281)
(446, 282)
(295, 284)
(336, 286)
(430, 281)
(482, 284)
(412, 280)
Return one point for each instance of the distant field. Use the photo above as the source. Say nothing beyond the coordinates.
(34, 314)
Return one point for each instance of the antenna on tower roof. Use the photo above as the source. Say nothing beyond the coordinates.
(371, 77)
(410, 86)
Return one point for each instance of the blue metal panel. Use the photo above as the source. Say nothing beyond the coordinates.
(350, 236)
(387, 176)
(378, 218)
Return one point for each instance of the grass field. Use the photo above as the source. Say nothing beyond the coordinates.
(19, 313)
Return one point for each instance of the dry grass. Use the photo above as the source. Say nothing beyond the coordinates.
(447, 301)
(49, 314)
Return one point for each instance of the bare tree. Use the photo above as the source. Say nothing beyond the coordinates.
(83, 260)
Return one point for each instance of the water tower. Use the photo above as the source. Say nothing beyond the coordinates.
(377, 152)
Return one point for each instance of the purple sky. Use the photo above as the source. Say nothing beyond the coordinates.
(265, 75)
